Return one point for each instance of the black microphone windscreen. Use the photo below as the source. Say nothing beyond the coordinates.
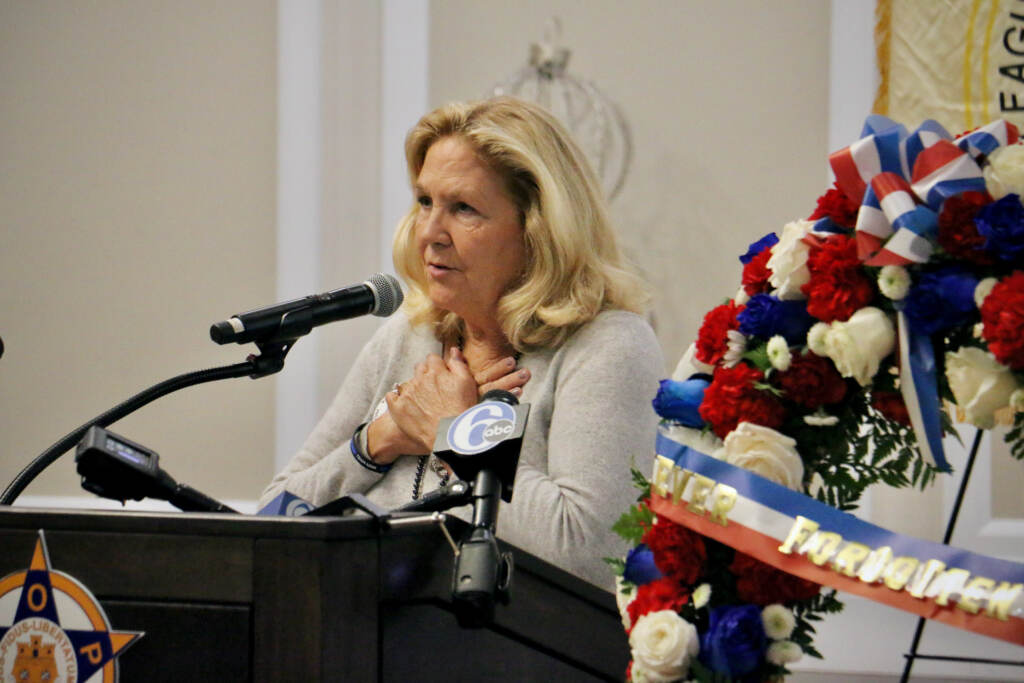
(500, 395)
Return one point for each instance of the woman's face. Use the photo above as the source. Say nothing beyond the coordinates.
(468, 232)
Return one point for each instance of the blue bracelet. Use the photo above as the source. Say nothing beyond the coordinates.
(360, 457)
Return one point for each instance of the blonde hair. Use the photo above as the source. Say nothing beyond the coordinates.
(573, 266)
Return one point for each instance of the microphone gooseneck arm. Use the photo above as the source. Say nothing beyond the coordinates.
(270, 360)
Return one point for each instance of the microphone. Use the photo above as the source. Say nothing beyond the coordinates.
(487, 437)
(381, 295)
(483, 444)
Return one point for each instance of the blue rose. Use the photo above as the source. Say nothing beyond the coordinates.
(640, 566)
(769, 240)
(940, 300)
(734, 642)
(1001, 223)
(766, 316)
(680, 401)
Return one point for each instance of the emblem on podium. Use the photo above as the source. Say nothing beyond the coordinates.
(52, 628)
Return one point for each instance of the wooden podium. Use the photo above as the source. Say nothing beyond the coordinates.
(246, 598)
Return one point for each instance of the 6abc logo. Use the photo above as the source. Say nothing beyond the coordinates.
(482, 426)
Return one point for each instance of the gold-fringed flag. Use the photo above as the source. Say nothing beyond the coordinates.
(959, 62)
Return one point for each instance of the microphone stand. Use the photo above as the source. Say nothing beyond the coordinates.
(269, 361)
(482, 571)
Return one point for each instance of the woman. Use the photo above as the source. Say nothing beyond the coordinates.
(515, 283)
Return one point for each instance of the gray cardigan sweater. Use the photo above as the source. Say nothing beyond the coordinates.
(590, 419)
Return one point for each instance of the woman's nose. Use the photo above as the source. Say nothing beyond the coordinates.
(434, 230)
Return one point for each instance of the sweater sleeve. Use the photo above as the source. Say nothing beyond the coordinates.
(324, 468)
(600, 423)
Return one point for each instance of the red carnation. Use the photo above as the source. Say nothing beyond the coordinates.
(837, 287)
(762, 584)
(891, 405)
(663, 593)
(756, 274)
(812, 381)
(958, 235)
(1002, 314)
(712, 340)
(678, 552)
(732, 398)
(836, 205)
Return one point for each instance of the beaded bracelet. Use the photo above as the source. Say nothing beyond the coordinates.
(359, 454)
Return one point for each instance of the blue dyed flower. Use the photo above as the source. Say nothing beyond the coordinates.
(640, 566)
(769, 240)
(766, 316)
(940, 300)
(680, 401)
(1001, 223)
(734, 642)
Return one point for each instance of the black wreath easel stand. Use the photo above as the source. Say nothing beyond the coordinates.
(950, 526)
(269, 361)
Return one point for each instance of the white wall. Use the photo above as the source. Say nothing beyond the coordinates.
(138, 152)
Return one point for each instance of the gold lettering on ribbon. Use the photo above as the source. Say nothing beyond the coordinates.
(924, 577)
(822, 546)
(801, 530)
(848, 558)
(701, 488)
(725, 499)
(706, 496)
(975, 591)
(899, 572)
(929, 579)
(947, 583)
(662, 470)
(1001, 599)
(873, 568)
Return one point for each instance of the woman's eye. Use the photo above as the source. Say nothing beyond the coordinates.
(424, 202)
(463, 207)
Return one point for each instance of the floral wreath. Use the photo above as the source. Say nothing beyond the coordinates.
(826, 373)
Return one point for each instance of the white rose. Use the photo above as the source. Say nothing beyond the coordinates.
(662, 644)
(741, 297)
(688, 365)
(1004, 172)
(778, 621)
(778, 353)
(788, 262)
(983, 289)
(858, 345)
(783, 652)
(816, 338)
(894, 282)
(981, 385)
(764, 451)
(623, 597)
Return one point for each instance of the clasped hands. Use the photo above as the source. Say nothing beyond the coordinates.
(440, 387)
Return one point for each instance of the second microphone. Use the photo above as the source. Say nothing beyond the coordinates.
(381, 295)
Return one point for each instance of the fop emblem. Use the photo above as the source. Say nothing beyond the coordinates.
(482, 426)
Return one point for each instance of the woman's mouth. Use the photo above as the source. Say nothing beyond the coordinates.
(437, 269)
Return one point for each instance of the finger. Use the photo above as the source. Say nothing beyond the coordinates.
(511, 382)
(456, 363)
(495, 370)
